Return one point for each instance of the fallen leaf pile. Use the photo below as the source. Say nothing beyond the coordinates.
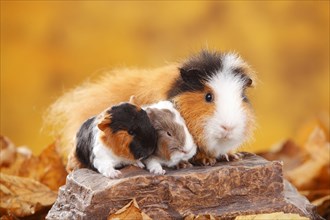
(28, 183)
(23, 196)
(307, 166)
(132, 211)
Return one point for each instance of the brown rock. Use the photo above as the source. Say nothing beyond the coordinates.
(225, 190)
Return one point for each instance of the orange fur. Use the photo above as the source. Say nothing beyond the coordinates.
(68, 113)
(163, 151)
(251, 121)
(149, 86)
(195, 111)
(118, 143)
(73, 162)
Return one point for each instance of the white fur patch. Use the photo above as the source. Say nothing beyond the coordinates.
(227, 91)
(154, 165)
(105, 161)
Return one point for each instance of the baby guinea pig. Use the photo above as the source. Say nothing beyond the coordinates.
(121, 135)
(175, 143)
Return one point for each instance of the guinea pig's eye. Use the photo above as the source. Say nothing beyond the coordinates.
(209, 97)
(169, 134)
(130, 132)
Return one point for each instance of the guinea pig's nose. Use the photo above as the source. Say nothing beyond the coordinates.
(227, 128)
(184, 151)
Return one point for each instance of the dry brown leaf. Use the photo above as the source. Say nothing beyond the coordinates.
(7, 152)
(307, 166)
(199, 217)
(48, 168)
(314, 173)
(322, 121)
(313, 195)
(7, 217)
(323, 206)
(130, 211)
(23, 197)
(272, 216)
(11, 158)
(15, 167)
(289, 152)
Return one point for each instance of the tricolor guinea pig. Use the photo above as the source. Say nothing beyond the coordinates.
(208, 89)
(211, 97)
(120, 135)
(175, 144)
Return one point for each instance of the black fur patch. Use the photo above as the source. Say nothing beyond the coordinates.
(199, 69)
(128, 117)
(195, 72)
(240, 72)
(84, 145)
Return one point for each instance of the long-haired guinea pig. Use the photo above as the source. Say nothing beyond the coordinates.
(120, 135)
(208, 89)
(175, 143)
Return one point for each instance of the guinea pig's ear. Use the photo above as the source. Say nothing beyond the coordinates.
(104, 121)
(191, 75)
(248, 81)
(151, 114)
(134, 101)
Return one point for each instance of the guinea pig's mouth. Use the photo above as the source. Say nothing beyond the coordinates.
(224, 138)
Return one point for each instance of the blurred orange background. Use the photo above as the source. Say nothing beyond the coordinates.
(48, 47)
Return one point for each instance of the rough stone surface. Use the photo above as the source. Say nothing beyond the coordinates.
(226, 190)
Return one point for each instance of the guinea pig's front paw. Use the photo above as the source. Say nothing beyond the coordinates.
(231, 157)
(111, 173)
(139, 164)
(157, 171)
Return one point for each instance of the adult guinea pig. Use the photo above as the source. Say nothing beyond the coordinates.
(208, 89)
(175, 144)
(120, 135)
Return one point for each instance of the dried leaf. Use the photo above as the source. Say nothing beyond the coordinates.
(322, 121)
(8, 217)
(23, 197)
(289, 152)
(199, 217)
(271, 216)
(130, 211)
(307, 166)
(314, 173)
(11, 158)
(7, 152)
(48, 168)
(313, 195)
(323, 206)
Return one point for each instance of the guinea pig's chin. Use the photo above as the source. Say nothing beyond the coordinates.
(176, 157)
(191, 152)
(222, 143)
